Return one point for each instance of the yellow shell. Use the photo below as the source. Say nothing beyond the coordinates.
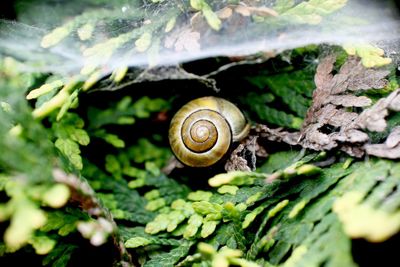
(202, 131)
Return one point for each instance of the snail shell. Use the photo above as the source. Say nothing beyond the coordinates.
(202, 131)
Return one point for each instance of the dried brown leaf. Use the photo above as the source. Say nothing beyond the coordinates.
(188, 41)
(243, 10)
(277, 135)
(382, 151)
(394, 137)
(366, 79)
(349, 100)
(236, 162)
(224, 13)
(353, 150)
(324, 71)
(390, 149)
(252, 10)
(373, 118)
(184, 39)
(263, 11)
(395, 103)
(330, 124)
(353, 76)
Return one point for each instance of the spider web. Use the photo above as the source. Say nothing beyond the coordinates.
(108, 35)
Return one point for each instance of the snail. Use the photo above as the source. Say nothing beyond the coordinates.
(203, 130)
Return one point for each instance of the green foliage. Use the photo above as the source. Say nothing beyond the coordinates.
(27, 178)
(60, 255)
(309, 12)
(296, 217)
(292, 92)
(105, 37)
(371, 56)
(224, 257)
(171, 257)
(64, 222)
(291, 89)
(125, 112)
(79, 169)
(260, 105)
(283, 214)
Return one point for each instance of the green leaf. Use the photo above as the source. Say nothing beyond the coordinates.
(228, 189)
(112, 139)
(145, 106)
(197, 4)
(199, 195)
(312, 11)
(69, 103)
(362, 219)
(160, 223)
(71, 150)
(57, 196)
(25, 219)
(235, 178)
(208, 228)
(251, 216)
(168, 259)
(144, 42)
(283, 5)
(371, 56)
(294, 89)
(56, 36)
(135, 242)
(60, 255)
(3, 181)
(64, 222)
(151, 195)
(45, 89)
(277, 117)
(146, 151)
(42, 244)
(205, 207)
(211, 18)
(194, 223)
(80, 136)
(155, 204)
(279, 160)
(113, 166)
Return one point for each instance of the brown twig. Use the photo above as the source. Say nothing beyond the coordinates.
(84, 195)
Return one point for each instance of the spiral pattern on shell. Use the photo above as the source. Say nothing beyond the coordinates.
(202, 131)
